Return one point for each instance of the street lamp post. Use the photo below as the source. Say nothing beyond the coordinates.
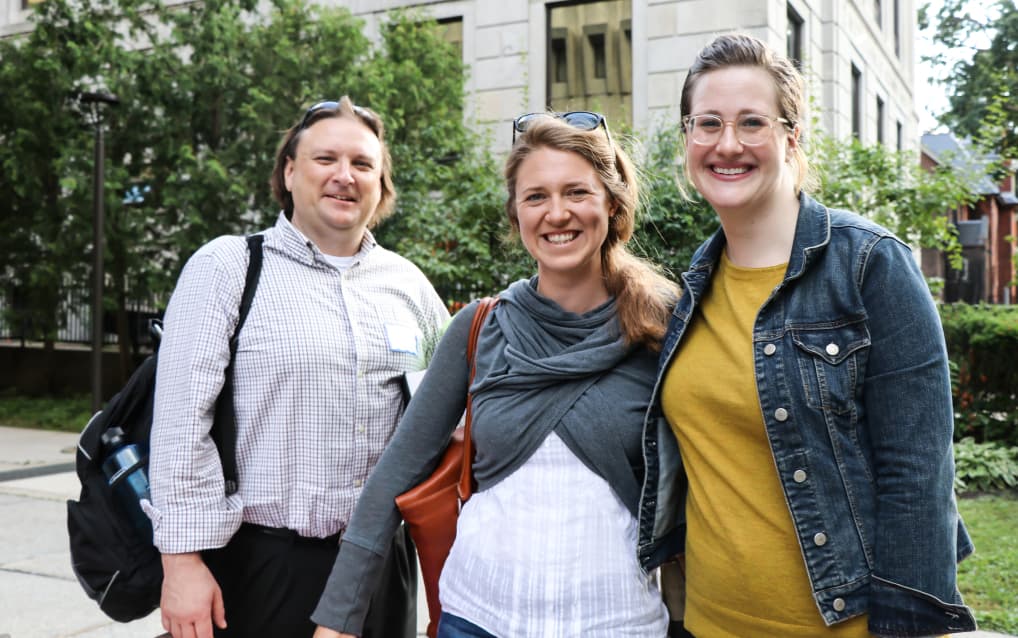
(95, 100)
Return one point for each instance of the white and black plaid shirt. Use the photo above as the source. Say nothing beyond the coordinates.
(317, 389)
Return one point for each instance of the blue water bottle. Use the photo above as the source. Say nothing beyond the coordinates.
(125, 470)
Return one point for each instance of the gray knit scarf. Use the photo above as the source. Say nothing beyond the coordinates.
(541, 368)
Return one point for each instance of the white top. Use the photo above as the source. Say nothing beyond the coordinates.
(342, 264)
(565, 566)
(317, 385)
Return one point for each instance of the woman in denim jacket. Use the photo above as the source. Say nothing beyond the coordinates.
(804, 376)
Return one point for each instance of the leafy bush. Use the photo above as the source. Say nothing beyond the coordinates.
(982, 343)
(980, 467)
(67, 414)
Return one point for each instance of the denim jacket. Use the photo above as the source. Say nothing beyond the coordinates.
(853, 386)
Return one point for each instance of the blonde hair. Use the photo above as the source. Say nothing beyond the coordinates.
(643, 296)
(738, 49)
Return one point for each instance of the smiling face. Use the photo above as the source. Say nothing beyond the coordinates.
(335, 179)
(731, 176)
(563, 212)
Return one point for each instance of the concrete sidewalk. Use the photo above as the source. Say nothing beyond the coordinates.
(39, 595)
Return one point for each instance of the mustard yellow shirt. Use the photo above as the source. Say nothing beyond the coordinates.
(745, 576)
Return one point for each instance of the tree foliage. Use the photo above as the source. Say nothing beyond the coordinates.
(982, 88)
(206, 91)
(46, 150)
(451, 194)
(891, 188)
(673, 219)
(886, 186)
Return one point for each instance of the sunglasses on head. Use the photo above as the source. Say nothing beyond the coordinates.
(331, 105)
(583, 120)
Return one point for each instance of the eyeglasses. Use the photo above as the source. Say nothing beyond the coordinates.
(751, 129)
(330, 105)
(583, 120)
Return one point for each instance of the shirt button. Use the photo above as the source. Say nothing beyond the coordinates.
(820, 539)
(799, 476)
(838, 604)
(770, 349)
(358, 483)
(832, 349)
(781, 414)
(360, 429)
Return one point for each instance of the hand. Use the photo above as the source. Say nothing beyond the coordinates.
(191, 599)
(325, 632)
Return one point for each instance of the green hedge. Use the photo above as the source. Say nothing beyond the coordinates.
(982, 343)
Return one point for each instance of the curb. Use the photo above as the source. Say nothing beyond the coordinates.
(37, 470)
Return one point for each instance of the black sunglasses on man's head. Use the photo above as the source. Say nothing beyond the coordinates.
(583, 120)
(330, 105)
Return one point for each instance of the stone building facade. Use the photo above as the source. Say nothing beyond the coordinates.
(628, 58)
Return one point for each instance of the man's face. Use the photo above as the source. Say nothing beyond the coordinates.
(335, 179)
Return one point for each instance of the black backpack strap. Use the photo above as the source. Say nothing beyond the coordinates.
(224, 427)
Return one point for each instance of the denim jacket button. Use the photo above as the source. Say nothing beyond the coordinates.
(838, 604)
(832, 349)
(770, 349)
(781, 414)
(799, 476)
(820, 539)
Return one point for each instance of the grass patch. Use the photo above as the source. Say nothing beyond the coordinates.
(988, 579)
(46, 413)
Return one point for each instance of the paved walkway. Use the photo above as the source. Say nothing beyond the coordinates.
(39, 595)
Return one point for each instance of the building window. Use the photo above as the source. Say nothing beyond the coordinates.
(897, 28)
(626, 57)
(878, 12)
(880, 120)
(557, 59)
(452, 31)
(595, 47)
(793, 37)
(900, 136)
(856, 102)
(590, 58)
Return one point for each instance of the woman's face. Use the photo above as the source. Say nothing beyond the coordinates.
(563, 211)
(734, 177)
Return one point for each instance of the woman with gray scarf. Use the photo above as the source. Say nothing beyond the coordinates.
(564, 368)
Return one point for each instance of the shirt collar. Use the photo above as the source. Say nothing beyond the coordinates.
(297, 245)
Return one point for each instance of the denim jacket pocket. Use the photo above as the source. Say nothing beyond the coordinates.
(832, 361)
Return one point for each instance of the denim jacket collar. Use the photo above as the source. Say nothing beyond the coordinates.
(812, 235)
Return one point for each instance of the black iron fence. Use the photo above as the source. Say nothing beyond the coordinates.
(75, 321)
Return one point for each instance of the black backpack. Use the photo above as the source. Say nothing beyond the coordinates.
(116, 562)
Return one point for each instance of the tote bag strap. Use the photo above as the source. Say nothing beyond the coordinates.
(466, 487)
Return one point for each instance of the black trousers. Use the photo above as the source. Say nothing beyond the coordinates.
(271, 583)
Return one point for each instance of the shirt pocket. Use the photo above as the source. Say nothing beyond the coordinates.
(832, 360)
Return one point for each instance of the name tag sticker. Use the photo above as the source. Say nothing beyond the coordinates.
(403, 338)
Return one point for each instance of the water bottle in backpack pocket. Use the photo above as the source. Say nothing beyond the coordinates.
(124, 468)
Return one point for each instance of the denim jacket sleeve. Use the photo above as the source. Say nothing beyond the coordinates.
(910, 423)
